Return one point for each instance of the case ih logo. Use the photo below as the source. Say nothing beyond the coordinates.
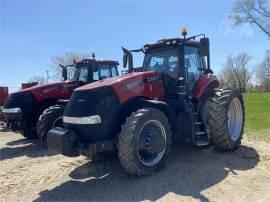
(54, 88)
(152, 78)
(70, 85)
(132, 85)
(137, 83)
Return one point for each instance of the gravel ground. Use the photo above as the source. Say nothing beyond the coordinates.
(28, 172)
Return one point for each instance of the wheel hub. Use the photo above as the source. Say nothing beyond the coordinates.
(235, 119)
(151, 143)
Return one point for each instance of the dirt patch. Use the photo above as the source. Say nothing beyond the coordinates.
(29, 172)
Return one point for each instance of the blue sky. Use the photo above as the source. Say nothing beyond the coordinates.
(34, 31)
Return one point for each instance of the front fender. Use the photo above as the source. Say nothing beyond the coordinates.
(162, 106)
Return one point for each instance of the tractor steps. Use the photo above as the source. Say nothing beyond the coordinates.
(200, 136)
(201, 139)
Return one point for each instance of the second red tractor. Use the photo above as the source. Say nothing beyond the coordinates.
(34, 111)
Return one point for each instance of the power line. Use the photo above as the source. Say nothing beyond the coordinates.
(47, 73)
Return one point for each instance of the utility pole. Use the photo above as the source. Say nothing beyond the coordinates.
(47, 72)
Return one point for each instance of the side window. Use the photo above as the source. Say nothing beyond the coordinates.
(156, 61)
(173, 66)
(83, 76)
(193, 63)
(114, 70)
(105, 72)
(95, 76)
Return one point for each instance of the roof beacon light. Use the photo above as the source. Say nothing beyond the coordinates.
(184, 32)
(93, 55)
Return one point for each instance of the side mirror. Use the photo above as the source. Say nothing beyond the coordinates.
(204, 47)
(64, 72)
(125, 60)
(128, 58)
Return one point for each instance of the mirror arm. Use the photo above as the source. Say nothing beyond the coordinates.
(194, 37)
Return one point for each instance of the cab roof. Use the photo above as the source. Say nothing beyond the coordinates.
(164, 43)
(105, 62)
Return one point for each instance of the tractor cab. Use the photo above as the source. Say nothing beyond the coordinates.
(91, 70)
(88, 70)
(181, 61)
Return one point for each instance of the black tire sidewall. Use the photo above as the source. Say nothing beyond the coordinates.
(218, 119)
(152, 114)
(47, 120)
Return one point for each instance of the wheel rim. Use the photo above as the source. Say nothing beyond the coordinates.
(235, 119)
(58, 122)
(151, 143)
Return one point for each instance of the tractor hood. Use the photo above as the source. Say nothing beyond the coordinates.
(57, 90)
(113, 82)
(142, 84)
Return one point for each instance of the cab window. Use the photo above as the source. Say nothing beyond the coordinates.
(193, 62)
(165, 61)
(105, 72)
(114, 71)
(81, 74)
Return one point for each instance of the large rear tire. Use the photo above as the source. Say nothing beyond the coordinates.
(50, 118)
(226, 119)
(144, 142)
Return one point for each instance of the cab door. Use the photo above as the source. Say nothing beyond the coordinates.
(194, 66)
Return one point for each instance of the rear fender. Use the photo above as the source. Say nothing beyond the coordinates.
(204, 84)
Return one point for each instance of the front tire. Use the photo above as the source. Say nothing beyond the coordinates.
(29, 133)
(226, 119)
(50, 118)
(144, 142)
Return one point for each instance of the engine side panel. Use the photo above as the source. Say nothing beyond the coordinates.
(149, 85)
(128, 86)
(61, 90)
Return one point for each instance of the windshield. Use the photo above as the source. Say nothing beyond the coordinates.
(81, 74)
(103, 71)
(165, 61)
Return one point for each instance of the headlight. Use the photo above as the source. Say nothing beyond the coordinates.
(95, 119)
(11, 110)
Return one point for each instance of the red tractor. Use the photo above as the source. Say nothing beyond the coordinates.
(139, 114)
(24, 108)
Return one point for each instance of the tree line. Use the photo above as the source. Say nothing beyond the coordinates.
(236, 71)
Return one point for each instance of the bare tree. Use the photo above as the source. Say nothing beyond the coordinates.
(38, 79)
(263, 73)
(255, 12)
(236, 72)
(65, 59)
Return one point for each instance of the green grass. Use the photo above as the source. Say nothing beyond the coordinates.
(257, 115)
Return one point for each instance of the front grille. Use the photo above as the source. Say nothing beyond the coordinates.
(102, 102)
(24, 100)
